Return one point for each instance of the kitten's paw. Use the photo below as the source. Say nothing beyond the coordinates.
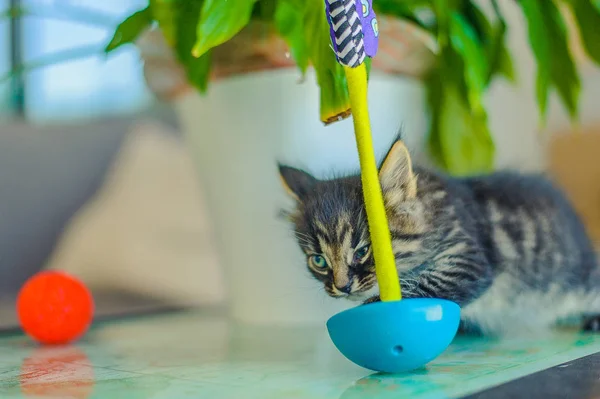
(469, 328)
(372, 300)
(592, 324)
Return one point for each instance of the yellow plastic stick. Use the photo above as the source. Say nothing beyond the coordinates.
(381, 240)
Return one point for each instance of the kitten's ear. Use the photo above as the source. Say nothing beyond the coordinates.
(396, 172)
(297, 183)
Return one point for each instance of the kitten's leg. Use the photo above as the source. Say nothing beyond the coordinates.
(372, 299)
(591, 324)
(469, 328)
(459, 273)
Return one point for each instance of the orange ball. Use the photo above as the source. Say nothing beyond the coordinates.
(54, 307)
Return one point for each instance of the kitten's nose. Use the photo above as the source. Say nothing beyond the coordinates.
(345, 289)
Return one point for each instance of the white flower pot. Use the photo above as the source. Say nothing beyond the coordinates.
(237, 134)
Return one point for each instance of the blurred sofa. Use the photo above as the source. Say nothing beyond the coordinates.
(46, 174)
(115, 202)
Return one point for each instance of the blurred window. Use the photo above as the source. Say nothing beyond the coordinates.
(5, 85)
(67, 76)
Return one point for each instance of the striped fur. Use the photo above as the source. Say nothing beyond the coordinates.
(347, 31)
(509, 248)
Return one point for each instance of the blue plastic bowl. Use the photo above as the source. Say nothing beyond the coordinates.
(397, 336)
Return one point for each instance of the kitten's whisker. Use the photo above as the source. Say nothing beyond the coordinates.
(300, 234)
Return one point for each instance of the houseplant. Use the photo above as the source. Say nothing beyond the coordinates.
(469, 53)
(470, 50)
(462, 51)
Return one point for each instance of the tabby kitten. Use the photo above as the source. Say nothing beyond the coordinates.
(508, 248)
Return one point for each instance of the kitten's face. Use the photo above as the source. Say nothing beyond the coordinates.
(331, 226)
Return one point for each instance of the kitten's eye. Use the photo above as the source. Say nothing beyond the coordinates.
(360, 253)
(318, 261)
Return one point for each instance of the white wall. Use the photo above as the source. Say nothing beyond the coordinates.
(124, 236)
(146, 229)
(513, 109)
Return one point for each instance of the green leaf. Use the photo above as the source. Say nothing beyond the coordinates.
(459, 140)
(502, 62)
(435, 86)
(492, 38)
(264, 10)
(500, 59)
(478, 20)
(549, 41)
(540, 44)
(177, 20)
(129, 30)
(465, 138)
(186, 16)
(165, 13)
(562, 67)
(335, 103)
(464, 41)
(369, 65)
(405, 10)
(588, 21)
(220, 20)
(289, 21)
